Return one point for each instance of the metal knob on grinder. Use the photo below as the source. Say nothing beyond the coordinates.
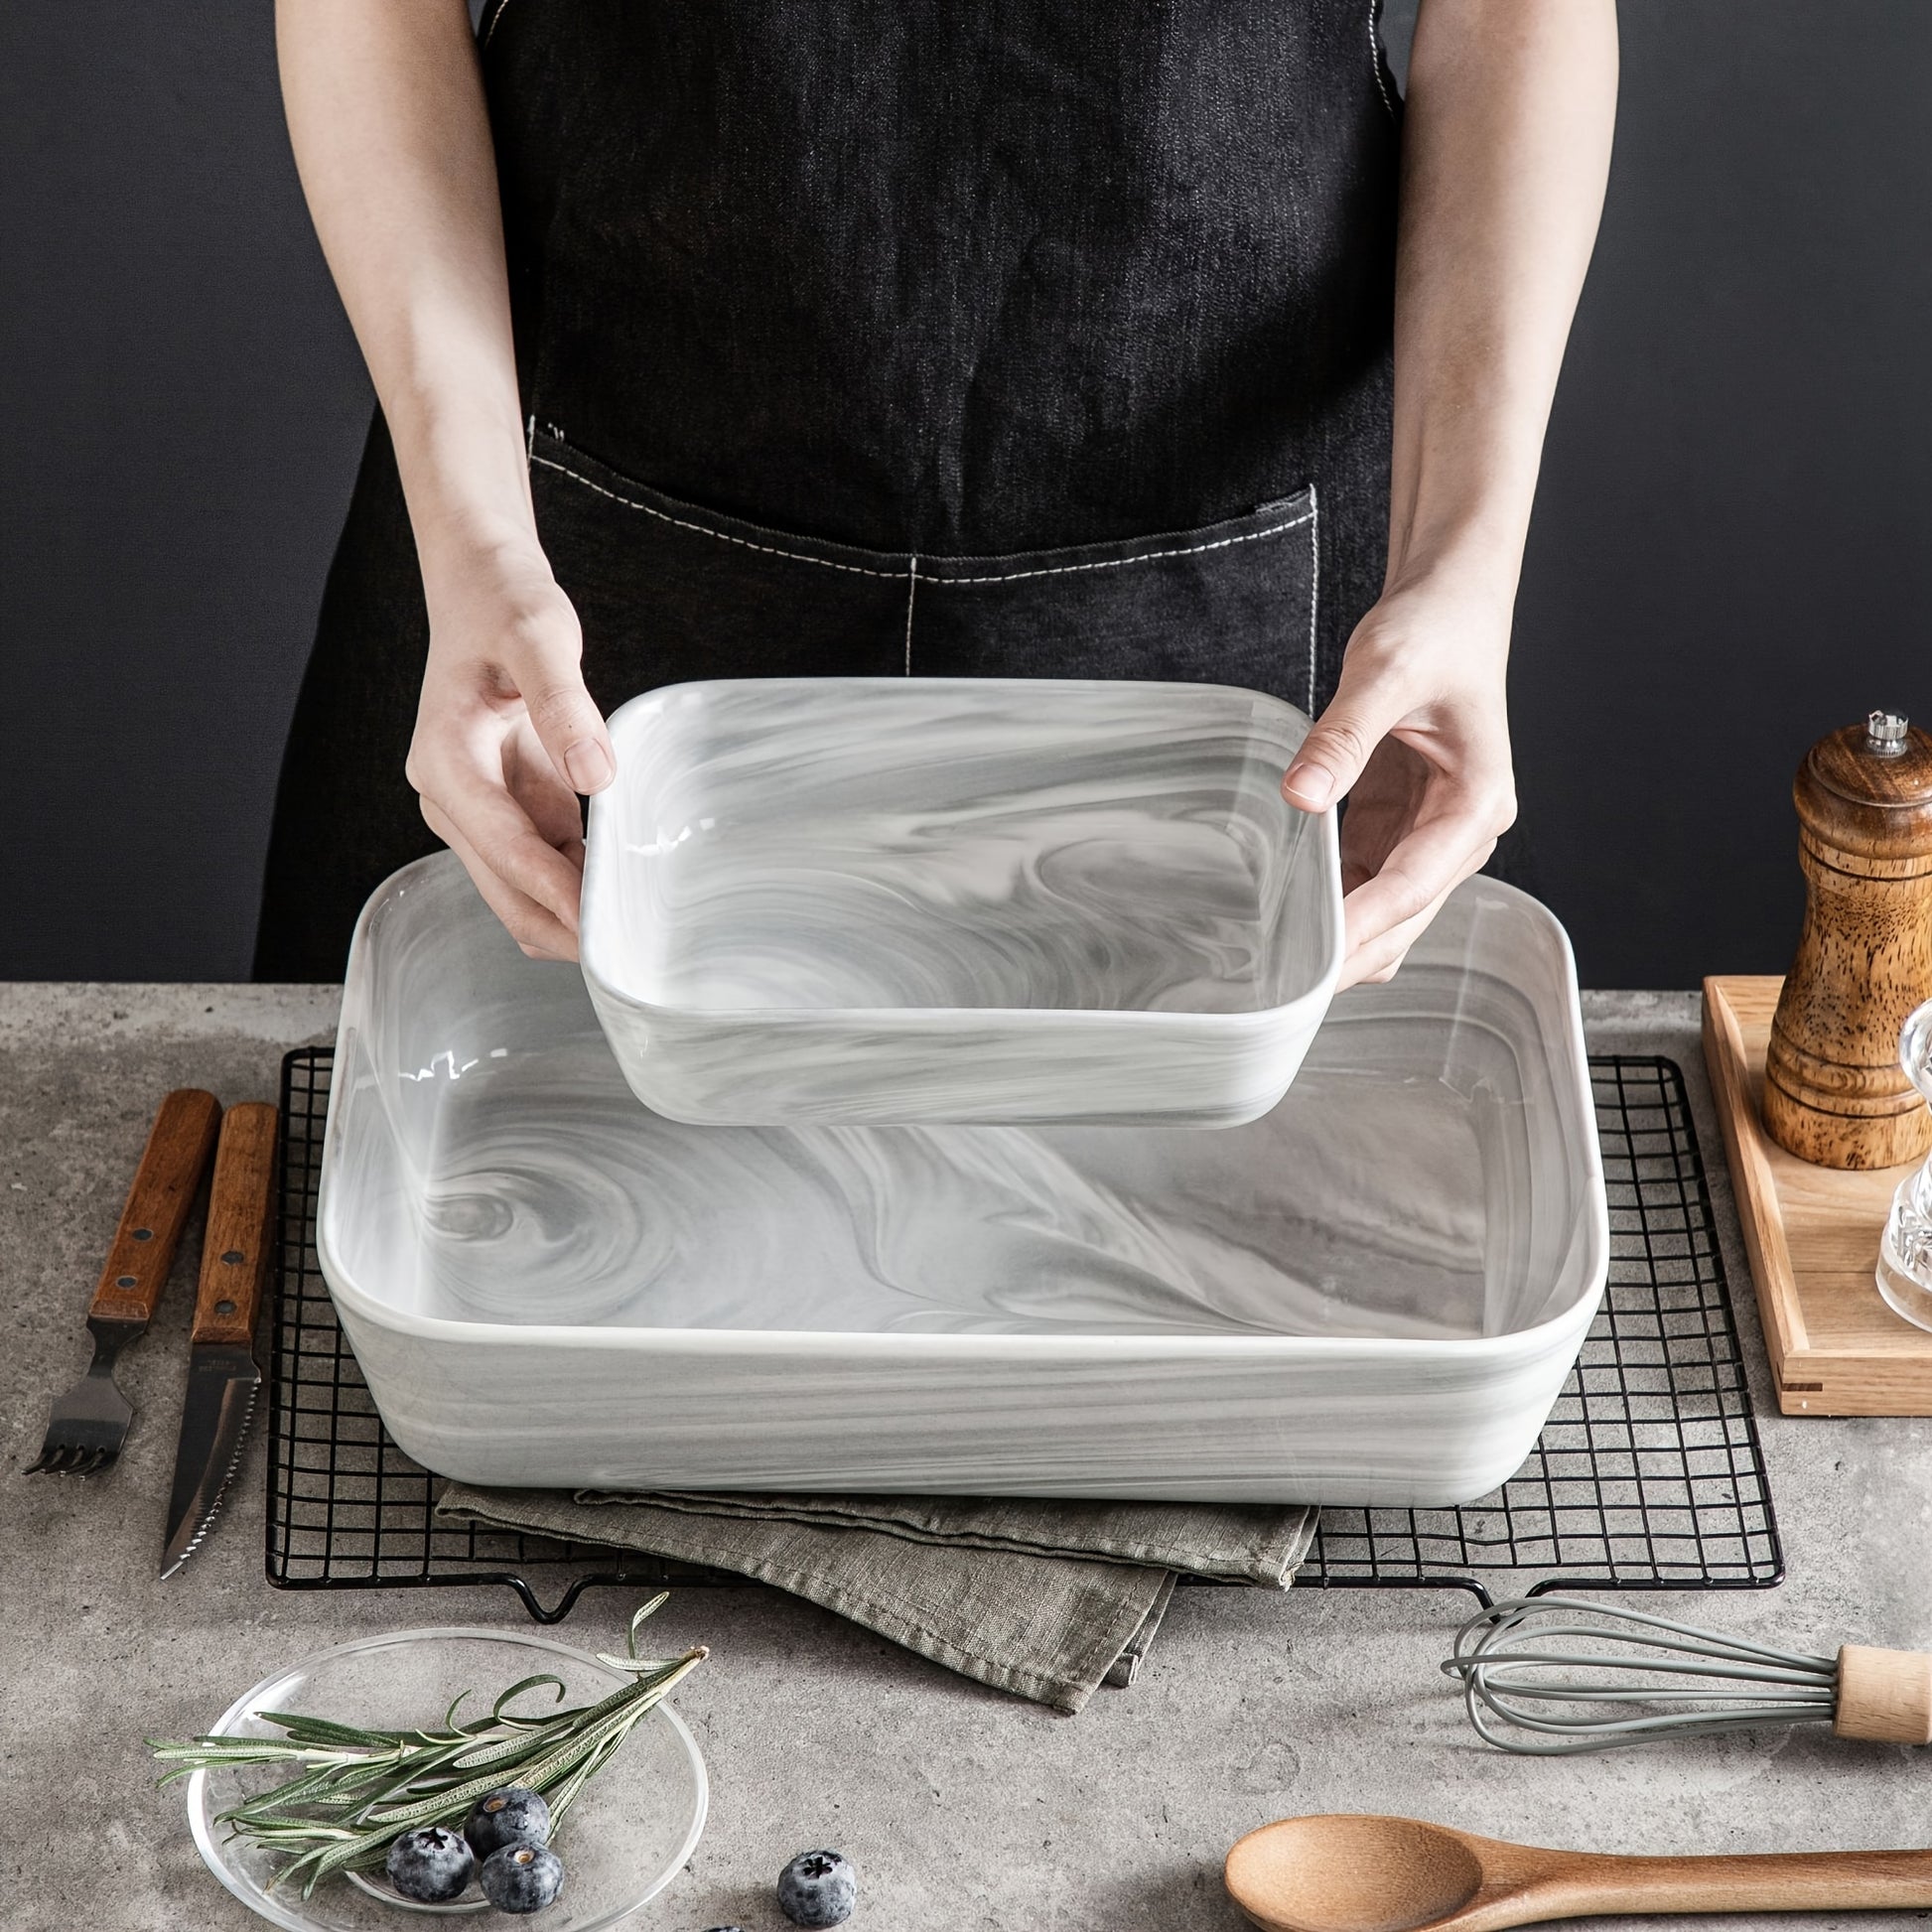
(1834, 1090)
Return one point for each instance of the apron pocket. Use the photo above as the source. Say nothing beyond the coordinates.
(1230, 603)
(669, 591)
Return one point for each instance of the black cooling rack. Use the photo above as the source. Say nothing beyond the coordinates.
(1648, 1475)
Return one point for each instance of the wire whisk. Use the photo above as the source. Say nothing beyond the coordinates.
(1639, 1677)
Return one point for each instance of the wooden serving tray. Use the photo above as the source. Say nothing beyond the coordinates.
(1813, 1234)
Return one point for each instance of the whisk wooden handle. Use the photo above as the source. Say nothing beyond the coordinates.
(1884, 1695)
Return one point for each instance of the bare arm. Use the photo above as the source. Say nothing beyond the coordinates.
(386, 114)
(1506, 147)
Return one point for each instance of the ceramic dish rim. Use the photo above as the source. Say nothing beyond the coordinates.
(1570, 1071)
(1259, 1020)
(851, 1344)
(201, 1826)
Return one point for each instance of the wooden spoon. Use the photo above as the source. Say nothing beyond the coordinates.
(1349, 1873)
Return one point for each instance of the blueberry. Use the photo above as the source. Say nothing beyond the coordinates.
(515, 1815)
(818, 1888)
(432, 1865)
(521, 1877)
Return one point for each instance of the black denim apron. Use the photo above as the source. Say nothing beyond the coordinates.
(1000, 338)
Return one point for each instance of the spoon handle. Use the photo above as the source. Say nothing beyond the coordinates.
(1583, 1885)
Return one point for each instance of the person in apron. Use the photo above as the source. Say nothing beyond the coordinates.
(838, 338)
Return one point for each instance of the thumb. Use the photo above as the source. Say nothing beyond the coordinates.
(1360, 714)
(568, 724)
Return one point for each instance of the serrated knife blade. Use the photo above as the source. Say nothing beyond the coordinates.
(223, 1379)
(222, 1383)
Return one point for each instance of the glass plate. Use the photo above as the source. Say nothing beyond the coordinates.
(627, 1836)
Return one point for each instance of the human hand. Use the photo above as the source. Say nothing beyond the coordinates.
(506, 738)
(1416, 738)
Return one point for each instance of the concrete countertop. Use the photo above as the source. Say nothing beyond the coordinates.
(960, 1807)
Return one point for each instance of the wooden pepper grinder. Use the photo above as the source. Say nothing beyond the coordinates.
(1834, 1090)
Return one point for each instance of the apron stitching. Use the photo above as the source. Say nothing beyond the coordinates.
(698, 530)
(912, 592)
(489, 31)
(1120, 563)
(1374, 57)
(861, 570)
(530, 439)
(1314, 584)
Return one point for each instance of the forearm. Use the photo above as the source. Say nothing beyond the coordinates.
(391, 136)
(1507, 148)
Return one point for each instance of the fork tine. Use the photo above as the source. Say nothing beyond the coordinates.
(59, 1458)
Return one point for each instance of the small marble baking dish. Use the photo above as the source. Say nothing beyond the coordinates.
(855, 900)
(1372, 1294)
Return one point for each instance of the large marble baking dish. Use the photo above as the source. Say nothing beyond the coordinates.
(838, 901)
(1370, 1295)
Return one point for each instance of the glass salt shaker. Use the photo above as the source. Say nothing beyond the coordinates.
(1905, 1253)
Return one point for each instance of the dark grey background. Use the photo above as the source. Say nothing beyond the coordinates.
(1730, 553)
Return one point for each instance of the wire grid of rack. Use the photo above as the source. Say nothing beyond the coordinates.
(1648, 1475)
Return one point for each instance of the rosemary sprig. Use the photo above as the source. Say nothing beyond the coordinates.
(359, 1789)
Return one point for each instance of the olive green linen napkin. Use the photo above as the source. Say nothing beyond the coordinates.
(1044, 1599)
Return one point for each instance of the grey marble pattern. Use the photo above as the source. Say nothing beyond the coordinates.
(1253, 1705)
(858, 900)
(1372, 1294)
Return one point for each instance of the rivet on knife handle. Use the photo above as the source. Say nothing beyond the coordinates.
(157, 1208)
(234, 1250)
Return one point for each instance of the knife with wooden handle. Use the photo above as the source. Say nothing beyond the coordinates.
(223, 1378)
